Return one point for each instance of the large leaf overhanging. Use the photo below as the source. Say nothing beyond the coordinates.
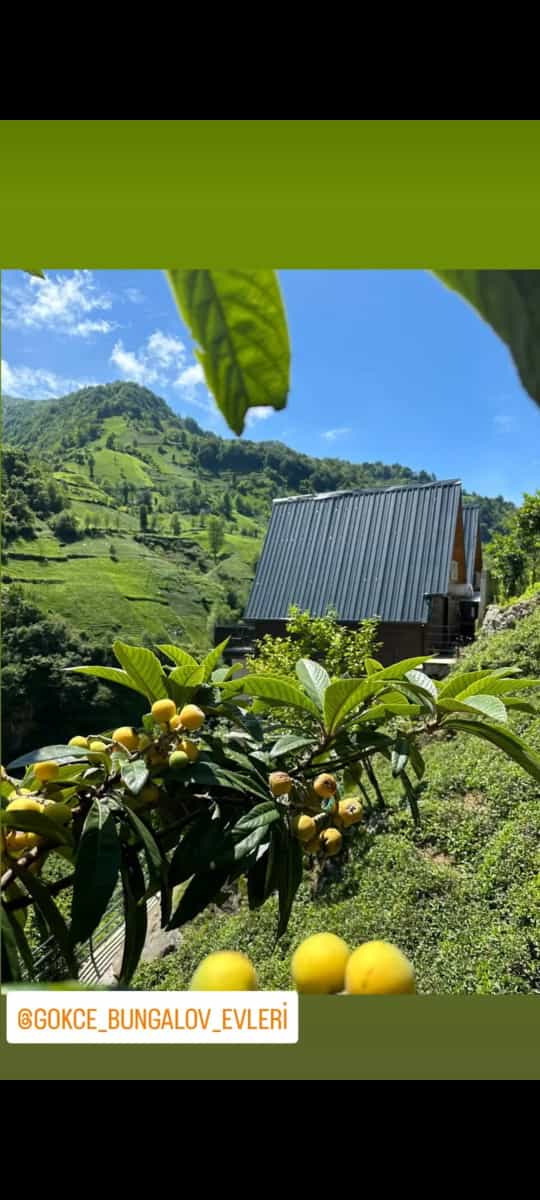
(238, 319)
(510, 302)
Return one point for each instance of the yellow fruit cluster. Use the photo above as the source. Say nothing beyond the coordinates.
(19, 841)
(322, 965)
(171, 748)
(316, 838)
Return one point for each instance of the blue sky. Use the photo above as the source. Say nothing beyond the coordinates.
(386, 365)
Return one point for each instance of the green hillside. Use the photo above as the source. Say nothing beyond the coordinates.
(106, 510)
(108, 500)
(105, 452)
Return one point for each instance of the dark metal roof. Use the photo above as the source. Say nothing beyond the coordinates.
(471, 533)
(374, 552)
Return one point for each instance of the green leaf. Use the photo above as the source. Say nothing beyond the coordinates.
(135, 915)
(422, 680)
(343, 696)
(376, 712)
(135, 774)
(457, 683)
(96, 871)
(34, 822)
(199, 893)
(289, 879)
(238, 319)
(288, 743)
(36, 271)
(143, 668)
(372, 666)
(58, 754)
(400, 756)
(111, 675)
(402, 709)
(521, 705)
(416, 760)
(254, 773)
(412, 692)
(221, 675)
(196, 677)
(489, 706)
(452, 706)
(400, 670)
(497, 687)
(198, 847)
(243, 848)
(176, 685)
(509, 742)
(50, 913)
(178, 656)
(275, 690)
(205, 669)
(156, 863)
(207, 774)
(259, 817)
(259, 879)
(313, 678)
(510, 302)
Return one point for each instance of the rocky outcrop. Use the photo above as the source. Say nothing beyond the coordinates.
(498, 618)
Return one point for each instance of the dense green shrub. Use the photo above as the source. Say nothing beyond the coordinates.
(343, 651)
(38, 698)
(518, 647)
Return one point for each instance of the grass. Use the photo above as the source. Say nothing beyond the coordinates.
(114, 466)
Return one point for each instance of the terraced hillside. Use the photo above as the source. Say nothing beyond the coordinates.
(111, 567)
(110, 503)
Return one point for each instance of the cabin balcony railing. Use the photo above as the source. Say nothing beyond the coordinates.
(442, 639)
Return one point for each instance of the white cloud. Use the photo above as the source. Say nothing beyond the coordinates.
(254, 415)
(86, 328)
(36, 383)
(190, 377)
(153, 361)
(60, 303)
(133, 365)
(189, 383)
(134, 295)
(165, 349)
(330, 435)
(505, 423)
